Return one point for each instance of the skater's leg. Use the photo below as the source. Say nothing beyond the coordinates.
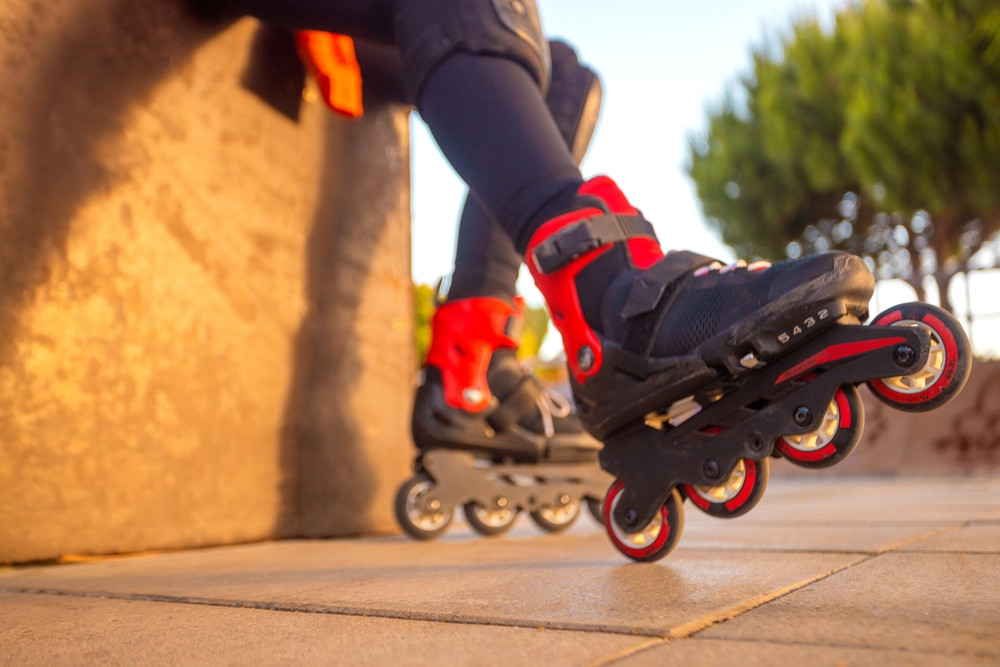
(502, 115)
(486, 261)
(476, 71)
(593, 256)
(486, 269)
(477, 76)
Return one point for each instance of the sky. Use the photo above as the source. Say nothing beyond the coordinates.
(664, 65)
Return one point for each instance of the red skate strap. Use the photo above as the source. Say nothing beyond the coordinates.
(576, 239)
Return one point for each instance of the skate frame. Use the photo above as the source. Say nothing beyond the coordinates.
(786, 397)
(460, 478)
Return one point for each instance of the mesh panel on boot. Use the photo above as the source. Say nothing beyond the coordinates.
(693, 319)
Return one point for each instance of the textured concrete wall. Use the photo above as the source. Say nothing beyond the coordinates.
(205, 305)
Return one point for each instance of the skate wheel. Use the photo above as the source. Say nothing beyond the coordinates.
(596, 508)
(837, 435)
(737, 495)
(416, 521)
(657, 539)
(948, 360)
(489, 522)
(556, 519)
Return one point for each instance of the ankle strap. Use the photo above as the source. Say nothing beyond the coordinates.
(577, 239)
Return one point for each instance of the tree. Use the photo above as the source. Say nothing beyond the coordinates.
(882, 136)
(536, 324)
(424, 302)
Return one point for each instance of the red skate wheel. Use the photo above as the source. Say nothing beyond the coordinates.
(657, 539)
(838, 433)
(737, 495)
(948, 361)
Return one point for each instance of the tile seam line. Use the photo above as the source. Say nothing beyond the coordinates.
(903, 544)
(729, 613)
(685, 630)
(341, 610)
(691, 628)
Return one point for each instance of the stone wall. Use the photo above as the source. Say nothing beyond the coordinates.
(205, 303)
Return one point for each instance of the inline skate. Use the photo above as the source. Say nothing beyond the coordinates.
(491, 439)
(694, 374)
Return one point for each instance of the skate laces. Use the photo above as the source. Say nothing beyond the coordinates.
(759, 265)
(552, 405)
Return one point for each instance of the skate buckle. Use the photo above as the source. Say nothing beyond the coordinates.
(678, 413)
(473, 395)
(750, 361)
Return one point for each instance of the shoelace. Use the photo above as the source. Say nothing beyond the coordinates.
(759, 265)
(552, 404)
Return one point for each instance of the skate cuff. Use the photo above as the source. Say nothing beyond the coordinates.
(583, 236)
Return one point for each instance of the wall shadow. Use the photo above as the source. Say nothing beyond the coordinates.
(85, 79)
(105, 59)
(324, 445)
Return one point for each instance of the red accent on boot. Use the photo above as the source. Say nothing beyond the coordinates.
(559, 287)
(464, 335)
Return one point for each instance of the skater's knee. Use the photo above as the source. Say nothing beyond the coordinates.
(574, 98)
(429, 31)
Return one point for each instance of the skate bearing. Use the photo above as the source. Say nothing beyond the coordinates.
(710, 469)
(905, 356)
(756, 443)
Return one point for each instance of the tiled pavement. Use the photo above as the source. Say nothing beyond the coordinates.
(855, 571)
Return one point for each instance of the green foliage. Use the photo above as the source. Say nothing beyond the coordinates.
(899, 104)
(536, 324)
(424, 302)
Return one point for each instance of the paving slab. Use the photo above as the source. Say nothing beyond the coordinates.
(876, 499)
(767, 654)
(974, 537)
(817, 537)
(77, 630)
(573, 582)
(946, 604)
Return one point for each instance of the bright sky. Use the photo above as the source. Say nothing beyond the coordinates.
(663, 65)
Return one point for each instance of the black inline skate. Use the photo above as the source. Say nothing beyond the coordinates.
(693, 374)
(491, 439)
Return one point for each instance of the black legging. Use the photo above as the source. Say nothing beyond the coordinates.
(489, 119)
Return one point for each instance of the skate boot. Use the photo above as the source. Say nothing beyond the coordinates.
(693, 373)
(490, 437)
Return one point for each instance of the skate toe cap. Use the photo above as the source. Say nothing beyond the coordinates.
(829, 275)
